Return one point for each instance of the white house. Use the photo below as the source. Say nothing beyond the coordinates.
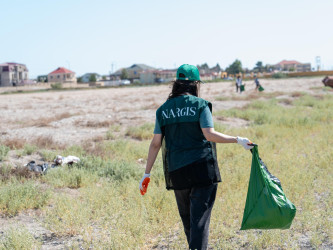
(86, 77)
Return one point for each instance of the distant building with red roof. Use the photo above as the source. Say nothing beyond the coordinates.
(13, 74)
(292, 65)
(62, 75)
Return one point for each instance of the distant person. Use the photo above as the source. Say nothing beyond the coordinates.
(184, 129)
(258, 85)
(238, 83)
(256, 81)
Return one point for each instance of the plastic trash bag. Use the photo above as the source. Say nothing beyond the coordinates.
(60, 160)
(38, 168)
(261, 88)
(266, 206)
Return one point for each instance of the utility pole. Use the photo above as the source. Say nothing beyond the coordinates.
(318, 62)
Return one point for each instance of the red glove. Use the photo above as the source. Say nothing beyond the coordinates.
(144, 183)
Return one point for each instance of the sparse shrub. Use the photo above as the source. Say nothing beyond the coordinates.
(75, 150)
(19, 238)
(128, 150)
(110, 133)
(261, 119)
(328, 89)
(142, 132)
(286, 101)
(99, 124)
(267, 112)
(45, 141)
(3, 152)
(279, 75)
(297, 94)
(306, 100)
(261, 105)
(16, 196)
(48, 155)
(29, 149)
(15, 143)
(120, 171)
(69, 176)
(69, 216)
(19, 173)
(95, 149)
(92, 163)
(57, 85)
(5, 172)
(222, 98)
(45, 121)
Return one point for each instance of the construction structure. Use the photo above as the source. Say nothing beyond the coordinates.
(13, 74)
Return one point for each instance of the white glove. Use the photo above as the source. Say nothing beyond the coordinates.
(145, 181)
(244, 142)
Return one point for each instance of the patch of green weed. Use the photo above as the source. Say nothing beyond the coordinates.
(3, 152)
(142, 132)
(16, 196)
(19, 238)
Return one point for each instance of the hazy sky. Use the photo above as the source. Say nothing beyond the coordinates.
(90, 36)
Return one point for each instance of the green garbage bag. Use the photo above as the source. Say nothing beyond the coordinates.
(266, 206)
(261, 88)
(242, 88)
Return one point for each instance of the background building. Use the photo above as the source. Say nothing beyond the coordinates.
(88, 76)
(13, 74)
(131, 73)
(61, 75)
(157, 76)
(295, 66)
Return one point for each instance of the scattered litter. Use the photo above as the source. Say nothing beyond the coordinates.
(38, 168)
(141, 161)
(60, 160)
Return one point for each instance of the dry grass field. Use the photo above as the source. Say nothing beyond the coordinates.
(96, 204)
(62, 118)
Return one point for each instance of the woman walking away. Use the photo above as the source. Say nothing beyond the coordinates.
(238, 84)
(185, 131)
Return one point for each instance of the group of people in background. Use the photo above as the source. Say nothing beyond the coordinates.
(241, 87)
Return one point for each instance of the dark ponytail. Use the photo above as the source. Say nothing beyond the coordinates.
(181, 87)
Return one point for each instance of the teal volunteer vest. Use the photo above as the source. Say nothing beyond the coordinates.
(188, 158)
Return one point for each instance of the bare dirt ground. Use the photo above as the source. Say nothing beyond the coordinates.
(72, 117)
(77, 116)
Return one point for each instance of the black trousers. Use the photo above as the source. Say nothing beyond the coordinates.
(195, 207)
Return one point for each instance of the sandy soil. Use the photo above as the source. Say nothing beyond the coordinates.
(71, 117)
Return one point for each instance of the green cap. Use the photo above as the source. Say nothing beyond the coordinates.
(188, 72)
